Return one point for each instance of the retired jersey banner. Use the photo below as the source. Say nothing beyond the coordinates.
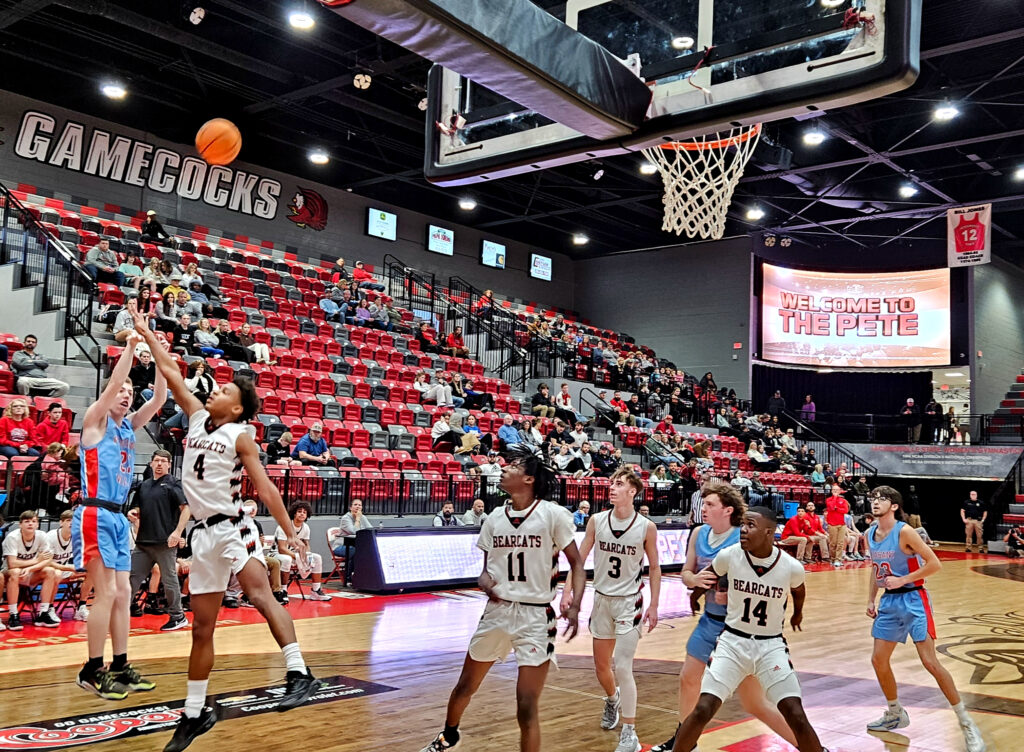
(969, 235)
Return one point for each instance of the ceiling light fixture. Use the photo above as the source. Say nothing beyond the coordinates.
(362, 80)
(814, 137)
(196, 15)
(832, 3)
(682, 42)
(319, 157)
(648, 168)
(599, 173)
(578, 238)
(467, 204)
(1019, 174)
(945, 111)
(301, 20)
(113, 90)
(755, 213)
(907, 190)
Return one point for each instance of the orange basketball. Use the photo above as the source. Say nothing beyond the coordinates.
(219, 141)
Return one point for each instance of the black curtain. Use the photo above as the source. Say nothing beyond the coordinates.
(841, 391)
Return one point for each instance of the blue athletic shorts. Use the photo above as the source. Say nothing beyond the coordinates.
(96, 531)
(704, 638)
(904, 614)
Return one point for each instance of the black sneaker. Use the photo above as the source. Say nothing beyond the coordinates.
(665, 746)
(174, 623)
(246, 603)
(281, 596)
(104, 684)
(136, 610)
(155, 609)
(47, 619)
(189, 728)
(229, 602)
(298, 690)
(132, 679)
(14, 623)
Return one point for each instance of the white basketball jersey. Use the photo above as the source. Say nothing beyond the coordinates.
(758, 589)
(619, 553)
(212, 471)
(61, 549)
(14, 545)
(522, 550)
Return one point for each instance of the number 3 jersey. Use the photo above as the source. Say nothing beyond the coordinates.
(212, 471)
(522, 550)
(758, 588)
(618, 553)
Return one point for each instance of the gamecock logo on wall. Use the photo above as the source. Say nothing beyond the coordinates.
(308, 209)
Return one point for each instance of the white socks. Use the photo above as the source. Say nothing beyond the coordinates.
(196, 698)
(894, 706)
(961, 713)
(293, 658)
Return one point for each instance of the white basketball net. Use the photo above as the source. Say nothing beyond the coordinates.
(700, 176)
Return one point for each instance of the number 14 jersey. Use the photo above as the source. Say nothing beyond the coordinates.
(522, 550)
(758, 588)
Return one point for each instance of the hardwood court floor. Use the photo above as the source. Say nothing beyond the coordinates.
(414, 646)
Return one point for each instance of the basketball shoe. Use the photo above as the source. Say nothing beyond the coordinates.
(438, 745)
(104, 684)
(132, 679)
(610, 716)
(627, 740)
(298, 689)
(189, 728)
(972, 737)
(891, 720)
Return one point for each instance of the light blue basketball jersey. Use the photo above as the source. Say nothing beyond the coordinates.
(705, 555)
(109, 466)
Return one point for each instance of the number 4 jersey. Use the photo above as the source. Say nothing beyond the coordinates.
(758, 589)
(618, 553)
(522, 550)
(212, 470)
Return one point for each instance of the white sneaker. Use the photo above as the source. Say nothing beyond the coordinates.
(837, 564)
(890, 721)
(82, 614)
(627, 740)
(610, 716)
(972, 737)
(318, 595)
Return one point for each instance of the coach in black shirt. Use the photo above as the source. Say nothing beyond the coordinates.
(973, 513)
(162, 513)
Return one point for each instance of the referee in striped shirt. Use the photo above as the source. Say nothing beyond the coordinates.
(696, 503)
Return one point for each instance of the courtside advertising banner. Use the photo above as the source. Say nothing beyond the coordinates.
(969, 235)
(855, 320)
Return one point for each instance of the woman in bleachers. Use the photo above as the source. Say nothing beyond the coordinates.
(131, 268)
(17, 430)
(260, 350)
(191, 273)
(363, 315)
(166, 318)
(206, 341)
(760, 460)
(529, 432)
(147, 304)
(427, 343)
(153, 276)
(439, 393)
(818, 476)
(200, 381)
(380, 317)
(168, 270)
(228, 341)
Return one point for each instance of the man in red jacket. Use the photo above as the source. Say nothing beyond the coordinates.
(836, 509)
(457, 344)
(817, 532)
(797, 533)
(53, 429)
(364, 279)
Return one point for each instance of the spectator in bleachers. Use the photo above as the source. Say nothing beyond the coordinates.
(190, 275)
(279, 451)
(228, 341)
(330, 304)
(707, 383)
(52, 429)
(472, 437)
(802, 460)
(175, 285)
(665, 426)
(491, 468)
(166, 320)
(582, 466)
(30, 370)
(442, 432)
(102, 263)
(508, 436)
(563, 406)
(143, 373)
(206, 342)
(183, 303)
(581, 514)
(741, 482)
(485, 304)
(475, 399)
(619, 405)
(439, 393)
(260, 351)
(529, 433)
(153, 275)
(131, 270)
(818, 476)
(26, 560)
(45, 481)
(200, 381)
(309, 564)
(153, 232)
(184, 335)
(861, 489)
(475, 515)
(363, 315)
(760, 460)
(579, 434)
(604, 465)
(446, 517)
(379, 315)
(312, 448)
(124, 322)
(911, 416)
(788, 440)
(562, 457)
(776, 404)
(542, 404)
(427, 342)
(456, 344)
(559, 435)
(206, 297)
(638, 412)
(808, 410)
(364, 279)
(340, 275)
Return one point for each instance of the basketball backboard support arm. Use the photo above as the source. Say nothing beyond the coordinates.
(518, 50)
(761, 65)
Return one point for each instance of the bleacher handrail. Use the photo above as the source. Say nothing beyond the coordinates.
(856, 463)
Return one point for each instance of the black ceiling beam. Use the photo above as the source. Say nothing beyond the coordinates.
(973, 45)
(24, 9)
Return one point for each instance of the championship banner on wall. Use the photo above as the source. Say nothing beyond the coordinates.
(969, 235)
(937, 461)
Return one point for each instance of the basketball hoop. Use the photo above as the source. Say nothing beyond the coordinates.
(700, 176)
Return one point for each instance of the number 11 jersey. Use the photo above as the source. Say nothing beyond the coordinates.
(522, 550)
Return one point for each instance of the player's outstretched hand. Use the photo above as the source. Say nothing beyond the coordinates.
(872, 610)
(572, 615)
(796, 620)
(651, 618)
(133, 341)
(140, 321)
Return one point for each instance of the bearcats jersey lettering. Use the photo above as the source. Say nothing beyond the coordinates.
(61, 549)
(758, 589)
(212, 471)
(618, 553)
(522, 550)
